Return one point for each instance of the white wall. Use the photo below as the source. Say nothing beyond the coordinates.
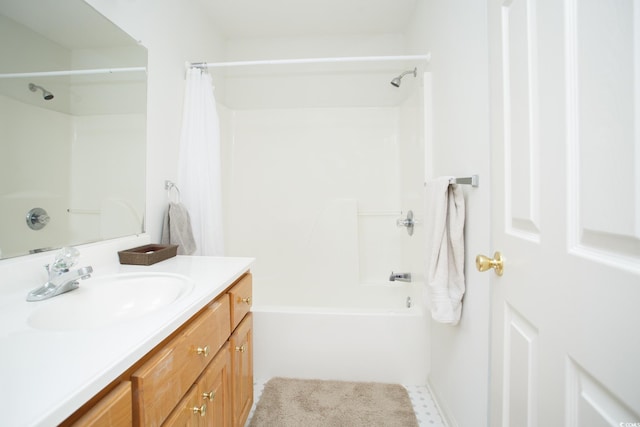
(455, 32)
(174, 32)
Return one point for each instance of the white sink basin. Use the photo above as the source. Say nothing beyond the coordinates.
(105, 300)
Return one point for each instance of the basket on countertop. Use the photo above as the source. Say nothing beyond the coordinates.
(147, 254)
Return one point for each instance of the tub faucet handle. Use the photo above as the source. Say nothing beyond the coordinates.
(400, 277)
(407, 222)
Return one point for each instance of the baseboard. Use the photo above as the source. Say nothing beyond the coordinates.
(446, 414)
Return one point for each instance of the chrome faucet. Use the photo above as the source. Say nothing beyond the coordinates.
(61, 279)
(400, 277)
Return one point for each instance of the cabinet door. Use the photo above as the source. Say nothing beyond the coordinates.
(214, 389)
(242, 370)
(207, 402)
(190, 411)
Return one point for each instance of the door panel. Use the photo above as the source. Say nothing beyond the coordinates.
(603, 135)
(520, 369)
(521, 144)
(565, 118)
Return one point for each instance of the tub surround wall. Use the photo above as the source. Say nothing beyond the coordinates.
(411, 145)
(96, 152)
(17, 195)
(314, 175)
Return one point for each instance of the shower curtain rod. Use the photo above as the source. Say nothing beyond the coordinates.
(72, 72)
(426, 57)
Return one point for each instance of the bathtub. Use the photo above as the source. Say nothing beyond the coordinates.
(363, 342)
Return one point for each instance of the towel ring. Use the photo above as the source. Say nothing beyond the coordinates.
(168, 185)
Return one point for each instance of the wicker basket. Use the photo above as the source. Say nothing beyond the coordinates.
(147, 254)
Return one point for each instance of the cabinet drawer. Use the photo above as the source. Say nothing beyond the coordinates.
(112, 410)
(164, 379)
(240, 299)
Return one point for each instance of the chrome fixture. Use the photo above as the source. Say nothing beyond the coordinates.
(61, 280)
(168, 185)
(396, 81)
(407, 222)
(46, 95)
(37, 218)
(400, 277)
(473, 180)
(409, 303)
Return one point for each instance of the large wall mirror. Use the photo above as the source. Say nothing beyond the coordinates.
(72, 127)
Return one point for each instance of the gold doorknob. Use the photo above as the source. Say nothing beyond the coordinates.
(483, 263)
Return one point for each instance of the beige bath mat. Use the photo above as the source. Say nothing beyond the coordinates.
(294, 403)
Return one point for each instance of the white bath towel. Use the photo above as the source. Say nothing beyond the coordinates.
(444, 225)
(176, 229)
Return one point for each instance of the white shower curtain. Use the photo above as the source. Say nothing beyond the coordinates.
(199, 167)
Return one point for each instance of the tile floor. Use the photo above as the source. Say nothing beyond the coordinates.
(423, 404)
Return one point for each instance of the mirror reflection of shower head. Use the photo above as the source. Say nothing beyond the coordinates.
(45, 93)
(396, 81)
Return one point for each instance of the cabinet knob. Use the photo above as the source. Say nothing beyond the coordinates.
(203, 351)
(241, 348)
(246, 300)
(202, 410)
(209, 395)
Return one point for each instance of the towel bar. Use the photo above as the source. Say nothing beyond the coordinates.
(473, 180)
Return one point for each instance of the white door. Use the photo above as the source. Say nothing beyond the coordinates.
(565, 123)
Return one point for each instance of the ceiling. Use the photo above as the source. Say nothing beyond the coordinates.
(72, 17)
(286, 18)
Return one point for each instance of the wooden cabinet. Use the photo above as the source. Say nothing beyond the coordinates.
(240, 299)
(207, 402)
(202, 375)
(163, 380)
(114, 409)
(242, 370)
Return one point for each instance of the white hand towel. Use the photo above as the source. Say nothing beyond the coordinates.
(444, 224)
(176, 229)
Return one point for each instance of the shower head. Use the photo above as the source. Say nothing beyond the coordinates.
(45, 93)
(396, 81)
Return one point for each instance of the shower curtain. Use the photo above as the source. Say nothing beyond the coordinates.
(199, 166)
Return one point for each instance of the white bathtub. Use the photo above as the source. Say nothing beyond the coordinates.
(351, 344)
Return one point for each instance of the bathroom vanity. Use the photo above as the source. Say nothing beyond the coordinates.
(187, 362)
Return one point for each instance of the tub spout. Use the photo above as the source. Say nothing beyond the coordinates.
(400, 277)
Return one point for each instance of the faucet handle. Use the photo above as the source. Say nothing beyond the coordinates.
(65, 259)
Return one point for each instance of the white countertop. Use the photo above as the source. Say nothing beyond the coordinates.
(46, 375)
